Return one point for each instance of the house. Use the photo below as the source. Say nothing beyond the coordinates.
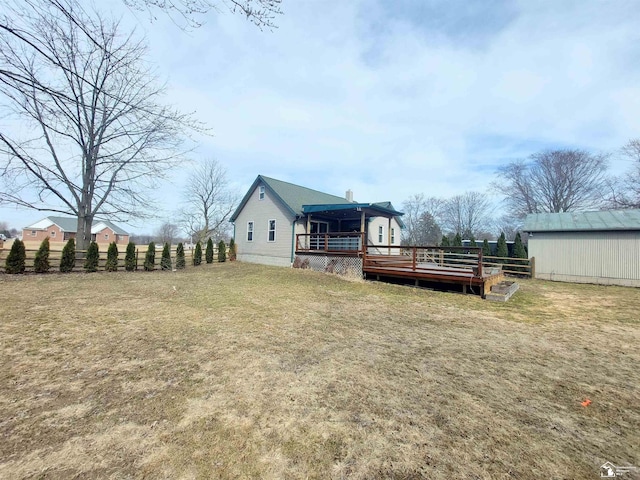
(277, 220)
(61, 229)
(586, 247)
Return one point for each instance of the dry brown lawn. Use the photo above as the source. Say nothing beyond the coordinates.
(242, 371)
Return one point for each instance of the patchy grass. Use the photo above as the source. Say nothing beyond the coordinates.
(243, 371)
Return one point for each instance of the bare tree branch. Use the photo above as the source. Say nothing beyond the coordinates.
(466, 214)
(554, 181)
(624, 191)
(209, 202)
(261, 13)
(98, 137)
(421, 216)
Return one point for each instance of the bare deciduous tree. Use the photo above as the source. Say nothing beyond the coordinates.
(466, 214)
(209, 202)
(94, 135)
(261, 12)
(625, 190)
(554, 181)
(167, 233)
(420, 219)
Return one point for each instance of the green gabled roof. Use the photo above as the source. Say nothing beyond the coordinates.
(292, 197)
(583, 221)
(295, 196)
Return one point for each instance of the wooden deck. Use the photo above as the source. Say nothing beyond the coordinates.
(402, 267)
(461, 267)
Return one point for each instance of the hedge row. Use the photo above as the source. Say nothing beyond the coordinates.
(16, 260)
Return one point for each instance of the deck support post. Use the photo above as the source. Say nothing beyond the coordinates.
(389, 235)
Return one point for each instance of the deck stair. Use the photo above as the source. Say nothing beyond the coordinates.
(502, 291)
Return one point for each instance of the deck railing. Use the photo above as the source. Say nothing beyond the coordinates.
(427, 258)
(466, 258)
(337, 242)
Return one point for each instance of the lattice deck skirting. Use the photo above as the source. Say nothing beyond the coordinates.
(341, 265)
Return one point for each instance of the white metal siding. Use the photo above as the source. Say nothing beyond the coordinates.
(260, 250)
(383, 222)
(589, 257)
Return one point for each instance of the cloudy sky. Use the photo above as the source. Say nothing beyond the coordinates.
(391, 98)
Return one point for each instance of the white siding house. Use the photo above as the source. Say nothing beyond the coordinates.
(273, 213)
(587, 247)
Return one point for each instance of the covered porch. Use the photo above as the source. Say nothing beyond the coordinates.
(343, 228)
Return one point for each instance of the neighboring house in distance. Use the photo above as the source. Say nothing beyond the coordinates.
(61, 229)
(274, 216)
(586, 247)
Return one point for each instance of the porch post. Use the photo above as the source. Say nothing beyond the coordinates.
(362, 231)
(308, 232)
(389, 235)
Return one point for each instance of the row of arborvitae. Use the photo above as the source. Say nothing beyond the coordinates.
(15, 262)
(208, 254)
(502, 250)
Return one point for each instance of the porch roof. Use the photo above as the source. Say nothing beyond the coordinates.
(372, 208)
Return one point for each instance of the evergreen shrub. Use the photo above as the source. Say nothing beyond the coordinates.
(197, 255)
(41, 262)
(150, 258)
(222, 251)
(165, 261)
(180, 263)
(486, 248)
(112, 258)
(209, 251)
(232, 250)
(130, 261)
(502, 249)
(15, 262)
(68, 259)
(93, 257)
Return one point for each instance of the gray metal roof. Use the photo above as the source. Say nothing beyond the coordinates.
(70, 224)
(583, 221)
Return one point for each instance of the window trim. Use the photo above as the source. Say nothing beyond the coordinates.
(393, 235)
(380, 234)
(250, 230)
(270, 231)
(261, 192)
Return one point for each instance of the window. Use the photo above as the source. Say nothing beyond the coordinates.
(393, 236)
(249, 231)
(53, 234)
(380, 234)
(261, 192)
(106, 236)
(33, 233)
(272, 230)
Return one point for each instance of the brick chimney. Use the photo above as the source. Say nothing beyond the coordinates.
(349, 196)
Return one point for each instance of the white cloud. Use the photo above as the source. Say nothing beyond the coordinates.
(395, 98)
